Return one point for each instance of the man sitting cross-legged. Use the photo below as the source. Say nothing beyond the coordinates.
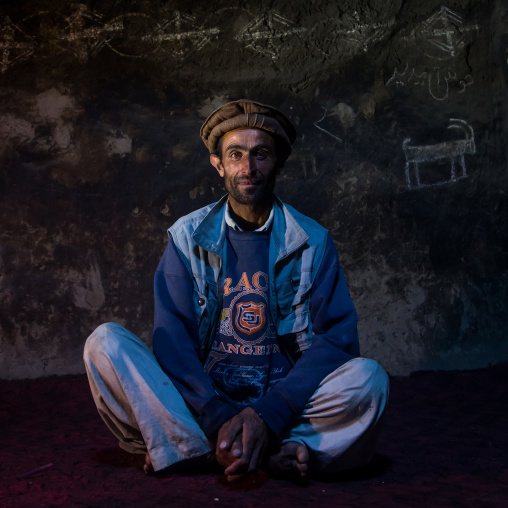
(255, 351)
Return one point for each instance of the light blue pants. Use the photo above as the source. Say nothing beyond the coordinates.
(339, 425)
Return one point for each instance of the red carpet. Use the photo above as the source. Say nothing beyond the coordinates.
(445, 443)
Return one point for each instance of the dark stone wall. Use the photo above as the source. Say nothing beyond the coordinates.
(402, 154)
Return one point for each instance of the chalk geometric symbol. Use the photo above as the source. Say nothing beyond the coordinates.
(129, 35)
(181, 30)
(87, 33)
(442, 34)
(364, 35)
(143, 36)
(267, 33)
(15, 45)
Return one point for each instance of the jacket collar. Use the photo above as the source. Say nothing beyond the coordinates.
(211, 232)
(287, 234)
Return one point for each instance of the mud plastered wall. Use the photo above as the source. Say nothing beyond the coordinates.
(401, 112)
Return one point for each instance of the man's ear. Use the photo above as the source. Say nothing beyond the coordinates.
(217, 164)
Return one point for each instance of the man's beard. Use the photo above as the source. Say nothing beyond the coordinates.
(260, 194)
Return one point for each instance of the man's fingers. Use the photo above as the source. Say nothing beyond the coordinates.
(237, 468)
(241, 443)
(234, 478)
(237, 447)
(247, 444)
(228, 433)
(226, 457)
(258, 446)
(255, 459)
(250, 443)
(254, 441)
(227, 438)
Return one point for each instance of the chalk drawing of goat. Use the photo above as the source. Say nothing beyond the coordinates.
(453, 150)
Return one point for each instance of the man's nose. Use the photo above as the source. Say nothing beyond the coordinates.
(249, 164)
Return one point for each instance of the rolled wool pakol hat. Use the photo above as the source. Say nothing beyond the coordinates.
(246, 113)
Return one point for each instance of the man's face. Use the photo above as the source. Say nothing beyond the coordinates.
(249, 165)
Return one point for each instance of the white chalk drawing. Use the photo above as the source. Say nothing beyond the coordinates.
(464, 83)
(360, 35)
(135, 35)
(268, 33)
(439, 86)
(117, 35)
(180, 28)
(176, 35)
(15, 45)
(442, 38)
(324, 130)
(347, 33)
(86, 33)
(453, 151)
(443, 34)
(363, 35)
(437, 81)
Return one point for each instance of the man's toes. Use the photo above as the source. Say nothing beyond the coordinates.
(302, 469)
(302, 454)
(148, 468)
(291, 463)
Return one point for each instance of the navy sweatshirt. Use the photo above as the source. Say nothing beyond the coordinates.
(176, 345)
(245, 359)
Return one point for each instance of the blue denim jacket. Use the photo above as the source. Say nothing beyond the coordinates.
(297, 245)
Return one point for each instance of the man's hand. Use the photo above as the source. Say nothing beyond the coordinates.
(241, 444)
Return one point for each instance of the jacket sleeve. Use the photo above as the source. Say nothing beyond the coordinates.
(176, 342)
(335, 342)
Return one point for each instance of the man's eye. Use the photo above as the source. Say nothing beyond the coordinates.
(235, 155)
(262, 154)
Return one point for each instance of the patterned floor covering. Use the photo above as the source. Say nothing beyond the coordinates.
(445, 444)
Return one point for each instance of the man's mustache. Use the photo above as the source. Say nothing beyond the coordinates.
(250, 179)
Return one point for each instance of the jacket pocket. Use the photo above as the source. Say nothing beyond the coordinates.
(290, 295)
(293, 306)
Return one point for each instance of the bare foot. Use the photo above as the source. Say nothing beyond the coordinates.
(148, 468)
(291, 462)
